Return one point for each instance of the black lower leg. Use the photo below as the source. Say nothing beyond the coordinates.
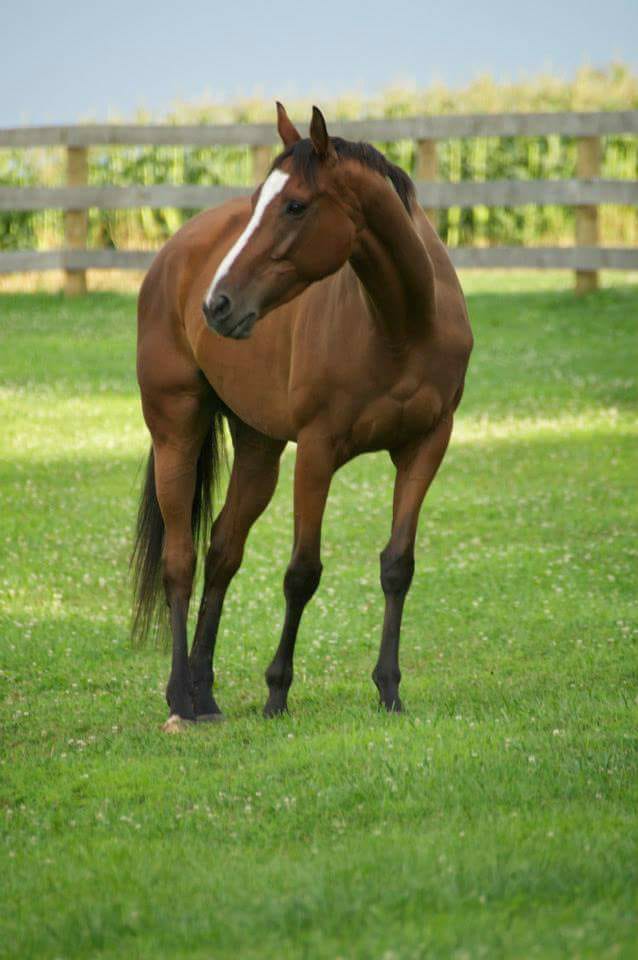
(179, 691)
(386, 674)
(396, 575)
(300, 582)
(280, 672)
(202, 653)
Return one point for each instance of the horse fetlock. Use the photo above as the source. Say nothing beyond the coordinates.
(204, 702)
(386, 676)
(180, 700)
(387, 682)
(279, 678)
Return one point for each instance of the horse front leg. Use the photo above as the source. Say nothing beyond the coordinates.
(314, 467)
(417, 464)
(252, 484)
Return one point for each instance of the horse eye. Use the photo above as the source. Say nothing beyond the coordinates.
(295, 208)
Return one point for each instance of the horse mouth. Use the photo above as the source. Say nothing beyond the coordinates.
(243, 328)
(239, 330)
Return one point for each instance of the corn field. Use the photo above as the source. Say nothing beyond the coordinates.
(525, 158)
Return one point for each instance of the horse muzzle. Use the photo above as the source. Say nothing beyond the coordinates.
(228, 319)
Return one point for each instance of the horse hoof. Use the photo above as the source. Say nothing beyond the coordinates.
(275, 710)
(393, 706)
(210, 717)
(176, 724)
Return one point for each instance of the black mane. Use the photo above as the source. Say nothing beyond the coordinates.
(306, 163)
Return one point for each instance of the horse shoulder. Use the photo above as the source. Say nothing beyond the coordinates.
(169, 302)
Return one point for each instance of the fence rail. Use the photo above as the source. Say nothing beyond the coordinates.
(594, 124)
(585, 194)
(532, 258)
(438, 196)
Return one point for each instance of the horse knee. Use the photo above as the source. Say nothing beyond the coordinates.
(302, 579)
(397, 569)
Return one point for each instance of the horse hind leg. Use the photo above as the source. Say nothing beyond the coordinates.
(252, 483)
(179, 424)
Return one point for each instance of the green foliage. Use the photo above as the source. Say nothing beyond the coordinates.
(614, 88)
(496, 818)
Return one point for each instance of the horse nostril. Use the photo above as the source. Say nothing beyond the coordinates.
(217, 310)
(221, 306)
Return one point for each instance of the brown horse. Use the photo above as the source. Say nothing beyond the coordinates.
(325, 310)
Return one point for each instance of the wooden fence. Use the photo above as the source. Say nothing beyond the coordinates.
(585, 194)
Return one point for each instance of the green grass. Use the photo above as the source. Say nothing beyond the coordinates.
(496, 818)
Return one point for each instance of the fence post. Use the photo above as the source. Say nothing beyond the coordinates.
(587, 166)
(76, 221)
(426, 170)
(261, 162)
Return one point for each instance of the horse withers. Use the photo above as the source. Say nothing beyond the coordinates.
(324, 310)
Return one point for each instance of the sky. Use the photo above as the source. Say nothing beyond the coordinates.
(65, 61)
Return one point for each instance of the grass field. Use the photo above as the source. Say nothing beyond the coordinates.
(496, 818)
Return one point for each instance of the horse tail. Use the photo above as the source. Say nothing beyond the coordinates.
(146, 558)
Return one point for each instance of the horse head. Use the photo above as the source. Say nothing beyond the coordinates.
(302, 228)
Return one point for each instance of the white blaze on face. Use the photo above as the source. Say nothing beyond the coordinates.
(273, 185)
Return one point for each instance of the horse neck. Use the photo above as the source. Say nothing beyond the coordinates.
(391, 260)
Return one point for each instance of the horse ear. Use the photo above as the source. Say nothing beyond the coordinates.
(319, 134)
(285, 128)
